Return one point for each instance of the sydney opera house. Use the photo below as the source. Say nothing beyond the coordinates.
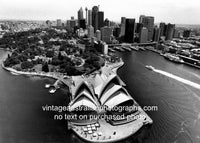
(104, 103)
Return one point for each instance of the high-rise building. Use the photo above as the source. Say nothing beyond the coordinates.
(98, 35)
(186, 33)
(123, 25)
(162, 29)
(90, 31)
(143, 35)
(129, 30)
(116, 32)
(82, 23)
(95, 11)
(89, 17)
(170, 31)
(148, 22)
(80, 15)
(86, 15)
(59, 22)
(106, 22)
(176, 33)
(141, 18)
(139, 27)
(100, 19)
(106, 33)
(156, 35)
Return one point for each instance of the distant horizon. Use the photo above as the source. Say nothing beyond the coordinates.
(170, 11)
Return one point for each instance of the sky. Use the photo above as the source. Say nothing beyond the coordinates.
(169, 11)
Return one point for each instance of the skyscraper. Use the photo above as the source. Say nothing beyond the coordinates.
(123, 25)
(156, 35)
(129, 30)
(100, 19)
(162, 29)
(80, 15)
(143, 35)
(186, 33)
(170, 31)
(148, 22)
(89, 17)
(106, 33)
(82, 23)
(59, 22)
(141, 18)
(95, 11)
(106, 22)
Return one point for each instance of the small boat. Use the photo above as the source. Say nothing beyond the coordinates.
(150, 67)
(47, 85)
(53, 90)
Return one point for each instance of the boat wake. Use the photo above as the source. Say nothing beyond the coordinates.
(185, 81)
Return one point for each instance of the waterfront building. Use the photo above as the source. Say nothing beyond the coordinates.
(143, 35)
(156, 35)
(139, 27)
(89, 17)
(129, 30)
(106, 33)
(98, 35)
(148, 22)
(90, 31)
(95, 11)
(58, 23)
(122, 27)
(170, 31)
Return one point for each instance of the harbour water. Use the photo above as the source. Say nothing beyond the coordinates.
(22, 119)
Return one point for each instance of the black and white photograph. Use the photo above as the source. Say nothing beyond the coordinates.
(99, 71)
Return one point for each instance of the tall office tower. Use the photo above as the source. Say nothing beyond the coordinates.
(162, 29)
(143, 35)
(139, 27)
(186, 33)
(106, 22)
(82, 23)
(80, 15)
(141, 18)
(59, 23)
(48, 23)
(106, 33)
(86, 15)
(156, 35)
(123, 25)
(98, 35)
(100, 19)
(170, 31)
(90, 31)
(95, 11)
(176, 33)
(116, 32)
(148, 22)
(129, 30)
(89, 17)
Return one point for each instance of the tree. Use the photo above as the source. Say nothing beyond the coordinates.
(26, 65)
(45, 67)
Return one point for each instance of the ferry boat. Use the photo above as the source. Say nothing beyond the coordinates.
(126, 48)
(47, 85)
(150, 67)
(173, 58)
(52, 90)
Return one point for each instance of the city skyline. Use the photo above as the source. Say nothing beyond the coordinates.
(178, 12)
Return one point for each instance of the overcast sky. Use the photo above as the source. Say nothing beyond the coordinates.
(173, 11)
